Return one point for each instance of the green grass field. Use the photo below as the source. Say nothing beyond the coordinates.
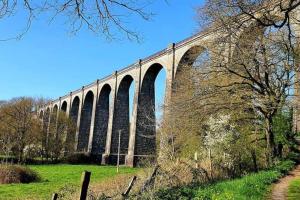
(294, 190)
(55, 177)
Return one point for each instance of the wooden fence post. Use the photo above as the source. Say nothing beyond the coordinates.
(149, 183)
(85, 181)
(196, 160)
(210, 163)
(125, 194)
(119, 147)
(54, 196)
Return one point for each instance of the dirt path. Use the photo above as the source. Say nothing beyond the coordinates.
(279, 191)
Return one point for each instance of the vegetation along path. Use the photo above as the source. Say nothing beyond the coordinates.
(280, 189)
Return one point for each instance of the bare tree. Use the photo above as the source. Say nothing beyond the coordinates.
(6, 135)
(61, 137)
(21, 123)
(253, 63)
(233, 15)
(102, 17)
(248, 73)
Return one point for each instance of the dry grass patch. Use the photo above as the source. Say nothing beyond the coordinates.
(168, 175)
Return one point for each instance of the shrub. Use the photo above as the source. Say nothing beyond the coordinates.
(294, 156)
(175, 193)
(180, 173)
(78, 158)
(8, 159)
(17, 174)
(251, 186)
(285, 166)
(68, 192)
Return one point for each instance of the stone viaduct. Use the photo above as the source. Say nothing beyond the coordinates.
(101, 109)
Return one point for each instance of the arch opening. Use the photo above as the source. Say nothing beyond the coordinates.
(121, 119)
(73, 116)
(53, 118)
(101, 120)
(50, 129)
(46, 116)
(46, 119)
(190, 69)
(64, 106)
(55, 110)
(74, 109)
(149, 114)
(85, 122)
(192, 59)
(41, 115)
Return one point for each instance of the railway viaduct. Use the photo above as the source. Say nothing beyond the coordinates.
(101, 109)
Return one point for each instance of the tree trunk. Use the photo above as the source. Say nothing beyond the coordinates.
(271, 147)
(254, 160)
(20, 158)
(279, 150)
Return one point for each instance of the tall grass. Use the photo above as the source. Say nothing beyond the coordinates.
(252, 186)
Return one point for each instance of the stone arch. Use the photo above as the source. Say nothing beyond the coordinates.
(46, 120)
(47, 112)
(189, 58)
(145, 140)
(62, 124)
(41, 115)
(248, 28)
(194, 58)
(85, 122)
(246, 37)
(64, 106)
(75, 109)
(53, 117)
(121, 120)
(52, 125)
(190, 55)
(55, 108)
(101, 120)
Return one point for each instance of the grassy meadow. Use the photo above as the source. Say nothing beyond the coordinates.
(54, 177)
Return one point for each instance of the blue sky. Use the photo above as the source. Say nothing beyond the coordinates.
(49, 62)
